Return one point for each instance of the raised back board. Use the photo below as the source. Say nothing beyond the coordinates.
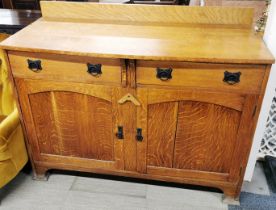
(147, 14)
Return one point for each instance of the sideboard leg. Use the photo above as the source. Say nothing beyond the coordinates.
(230, 200)
(231, 197)
(40, 173)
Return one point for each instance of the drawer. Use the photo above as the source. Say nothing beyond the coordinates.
(65, 68)
(199, 75)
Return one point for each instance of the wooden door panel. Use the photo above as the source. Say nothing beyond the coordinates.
(90, 122)
(79, 125)
(71, 121)
(162, 119)
(191, 133)
(206, 136)
(126, 117)
(44, 118)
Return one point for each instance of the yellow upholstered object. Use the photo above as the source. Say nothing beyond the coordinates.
(13, 155)
(6, 99)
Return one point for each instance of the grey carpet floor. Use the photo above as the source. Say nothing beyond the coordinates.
(258, 200)
(250, 201)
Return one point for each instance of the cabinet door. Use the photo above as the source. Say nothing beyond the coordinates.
(72, 123)
(193, 134)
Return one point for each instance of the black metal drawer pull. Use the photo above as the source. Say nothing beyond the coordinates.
(139, 136)
(34, 65)
(120, 133)
(231, 78)
(164, 74)
(94, 69)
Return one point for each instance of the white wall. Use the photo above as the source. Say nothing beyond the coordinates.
(270, 39)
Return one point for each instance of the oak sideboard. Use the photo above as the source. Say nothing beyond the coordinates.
(168, 93)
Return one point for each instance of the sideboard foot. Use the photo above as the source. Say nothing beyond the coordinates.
(231, 196)
(40, 174)
(231, 200)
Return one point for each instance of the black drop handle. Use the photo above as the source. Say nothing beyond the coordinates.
(120, 133)
(231, 78)
(139, 136)
(94, 69)
(34, 65)
(164, 74)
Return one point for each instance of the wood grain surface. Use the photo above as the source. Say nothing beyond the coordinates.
(142, 122)
(258, 5)
(206, 137)
(210, 41)
(130, 13)
(162, 122)
(68, 69)
(70, 122)
(201, 76)
(230, 100)
(192, 135)
(79, 125)
(126, 117)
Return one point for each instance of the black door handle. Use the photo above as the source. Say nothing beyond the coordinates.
(120, 133)
(139, 136)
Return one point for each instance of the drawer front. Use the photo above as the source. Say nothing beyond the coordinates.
(241, 78)
(65, 68)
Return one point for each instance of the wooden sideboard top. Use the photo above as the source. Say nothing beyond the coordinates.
(176, 33)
